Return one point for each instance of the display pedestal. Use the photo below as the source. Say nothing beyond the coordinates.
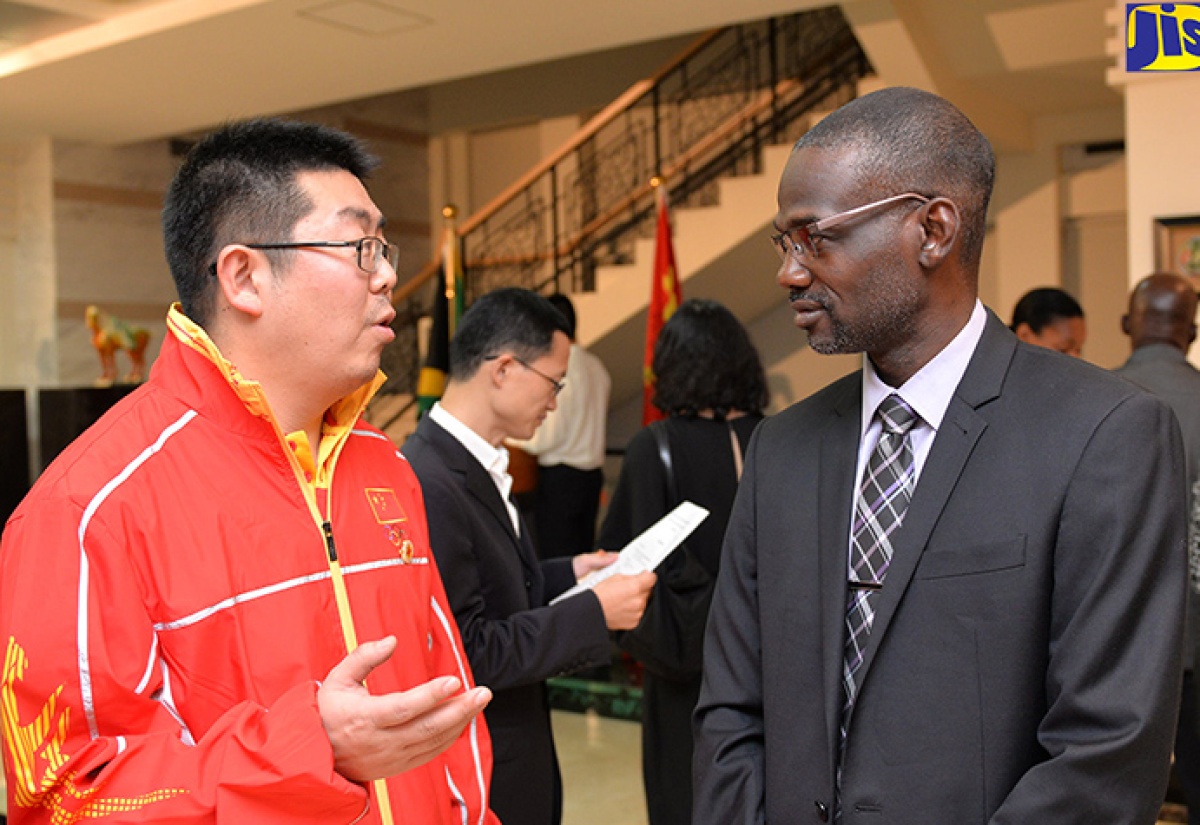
(64, 414)
(14, 452)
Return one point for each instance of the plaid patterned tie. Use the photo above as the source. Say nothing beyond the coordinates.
(883, 497)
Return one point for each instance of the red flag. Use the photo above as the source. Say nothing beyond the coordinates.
(664, 300)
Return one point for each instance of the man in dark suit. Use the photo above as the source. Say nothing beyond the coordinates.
(1161, 325)
(967, 608)
(507, 362)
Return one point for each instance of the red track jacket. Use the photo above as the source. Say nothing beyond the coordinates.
(169, 592)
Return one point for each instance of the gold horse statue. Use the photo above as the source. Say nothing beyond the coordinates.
(110, 334)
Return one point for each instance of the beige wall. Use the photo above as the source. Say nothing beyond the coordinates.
(1037, 207)
(28, 342)
(108, 246)
(1094, 248)
(1162, 121)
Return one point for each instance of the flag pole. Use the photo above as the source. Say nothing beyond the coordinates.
(451, 264)
(447, 299)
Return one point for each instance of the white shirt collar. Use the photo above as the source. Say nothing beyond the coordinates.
(492, 459)
(929, 391)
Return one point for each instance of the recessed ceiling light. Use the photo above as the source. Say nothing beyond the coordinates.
(365, 17)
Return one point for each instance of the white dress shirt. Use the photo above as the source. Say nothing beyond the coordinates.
(928, 392)
(492, 459)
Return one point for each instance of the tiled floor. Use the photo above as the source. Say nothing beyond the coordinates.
(601, 761)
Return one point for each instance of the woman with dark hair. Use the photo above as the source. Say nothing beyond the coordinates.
(711, 385)
(1049, 317)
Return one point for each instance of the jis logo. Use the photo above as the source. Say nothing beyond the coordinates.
(1162, 37)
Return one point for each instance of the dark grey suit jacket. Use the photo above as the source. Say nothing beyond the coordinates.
(1024, 662)
(1165, 371)
(499, 594)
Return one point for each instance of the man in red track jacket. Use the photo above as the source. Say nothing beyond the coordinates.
(219, 604)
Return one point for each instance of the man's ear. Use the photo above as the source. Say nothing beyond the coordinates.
(940, 231)
(240, 274)
(1125, 324)
(499, 367)
(1025, 333)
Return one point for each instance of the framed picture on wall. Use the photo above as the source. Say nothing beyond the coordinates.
(1177, 246)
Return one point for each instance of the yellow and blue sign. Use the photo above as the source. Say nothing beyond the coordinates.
(1162, 37)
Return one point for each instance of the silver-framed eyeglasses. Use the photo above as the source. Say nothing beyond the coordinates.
(802, 240)
(371, 251)
(558, 385)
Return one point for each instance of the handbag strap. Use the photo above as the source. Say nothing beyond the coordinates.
(658, 429)
(737, 451)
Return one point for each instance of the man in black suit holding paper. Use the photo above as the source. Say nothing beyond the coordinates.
(507, 362)
(953, 583)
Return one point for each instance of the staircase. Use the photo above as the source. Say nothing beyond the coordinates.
(716, 125)
(721, 252)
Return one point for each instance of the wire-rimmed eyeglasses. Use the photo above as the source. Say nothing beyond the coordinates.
(802, 240)
(371, 251)
(556, 384)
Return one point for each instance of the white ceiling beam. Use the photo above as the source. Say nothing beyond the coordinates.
(86, 9)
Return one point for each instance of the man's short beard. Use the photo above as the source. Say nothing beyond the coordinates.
(888, 318)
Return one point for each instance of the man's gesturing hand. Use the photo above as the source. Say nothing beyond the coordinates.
(379, 736)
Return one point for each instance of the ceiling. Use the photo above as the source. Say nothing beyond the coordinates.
(117, 71)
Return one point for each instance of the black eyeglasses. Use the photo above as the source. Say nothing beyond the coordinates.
(802, 240)
(558, 385)
(371, 251)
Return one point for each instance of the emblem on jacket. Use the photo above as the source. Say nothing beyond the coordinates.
(37, 759)
(388, 512)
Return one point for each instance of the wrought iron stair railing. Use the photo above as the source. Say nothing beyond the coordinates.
(705, 115)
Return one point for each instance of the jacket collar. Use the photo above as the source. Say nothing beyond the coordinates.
(459, 460)
(194, 370)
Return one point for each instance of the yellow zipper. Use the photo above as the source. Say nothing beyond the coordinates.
(347, 621)
(345, 617)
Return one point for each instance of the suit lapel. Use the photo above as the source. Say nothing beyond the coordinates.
(961, 429)
(477, 481)
(835, 494)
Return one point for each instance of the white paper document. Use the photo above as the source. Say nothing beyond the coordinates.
(648, 550)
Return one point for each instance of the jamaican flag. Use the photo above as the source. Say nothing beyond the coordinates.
(447, 309)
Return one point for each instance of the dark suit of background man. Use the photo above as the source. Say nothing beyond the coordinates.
(507, 360)
(1023, 661)
(1161, 325)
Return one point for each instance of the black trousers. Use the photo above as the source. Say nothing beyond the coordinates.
(667, 748)
(565, 508)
